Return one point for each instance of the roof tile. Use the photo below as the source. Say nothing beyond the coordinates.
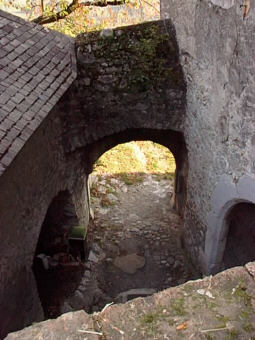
(36, 68)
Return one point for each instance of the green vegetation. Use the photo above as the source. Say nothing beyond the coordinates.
(151, 67)
(149, 318)
(130, 161)
(240, 293)
(222, 319)
(149, 322)
(151, 57)
(177, 307)
(211, 304)
(76, 16)
(131, 178)
(78, 232)
(209, 337)
(232, 334)
(188, 288)
(248, 328)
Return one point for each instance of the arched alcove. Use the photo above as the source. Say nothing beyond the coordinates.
(59, 219)
(53, 255)
(232, 202)
(240, 242)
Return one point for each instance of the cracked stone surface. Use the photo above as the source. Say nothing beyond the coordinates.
(217, 307)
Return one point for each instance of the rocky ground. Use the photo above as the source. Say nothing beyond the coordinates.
(135, 242)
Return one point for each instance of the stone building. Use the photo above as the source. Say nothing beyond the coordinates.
(187, 82)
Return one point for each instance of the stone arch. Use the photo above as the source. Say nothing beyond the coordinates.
(226, 197)
(171, 139)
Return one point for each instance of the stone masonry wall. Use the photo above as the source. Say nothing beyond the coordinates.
(217, 55)
(130, 79)
(34, 178)
(127, 78)
(129, 86)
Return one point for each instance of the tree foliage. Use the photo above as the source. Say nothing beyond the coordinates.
(71, 16)
(48, 11)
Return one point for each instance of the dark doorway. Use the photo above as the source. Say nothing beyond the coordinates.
(57, 266)
(240, 245)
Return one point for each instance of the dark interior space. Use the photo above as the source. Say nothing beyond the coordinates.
(240, 245)
(57, 265)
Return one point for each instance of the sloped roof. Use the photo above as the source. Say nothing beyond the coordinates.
(37, 66)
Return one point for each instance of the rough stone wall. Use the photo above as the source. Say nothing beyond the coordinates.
(35, 177)
(127, 78)
(129, 86)
(217, 55)
(131, 79)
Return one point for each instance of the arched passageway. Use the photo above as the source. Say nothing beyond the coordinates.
(135, 238)
(171, 139)
(79, 285)
(240, 244)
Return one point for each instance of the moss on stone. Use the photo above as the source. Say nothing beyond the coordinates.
(177, 307)
(248, 327)
(232, 334)
(145, 54)
(222, 319)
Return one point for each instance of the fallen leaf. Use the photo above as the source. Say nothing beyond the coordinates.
(182, 326)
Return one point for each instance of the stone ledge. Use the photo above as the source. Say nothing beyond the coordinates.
(221, 306)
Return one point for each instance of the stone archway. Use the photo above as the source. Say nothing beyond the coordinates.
(142, 235)
(173, 140)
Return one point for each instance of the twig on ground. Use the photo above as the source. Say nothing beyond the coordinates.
(213, 329)
(89, 332)
(210, 283)
(106, 306)
(115, 328)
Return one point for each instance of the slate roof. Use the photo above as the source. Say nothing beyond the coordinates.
(37, 66)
